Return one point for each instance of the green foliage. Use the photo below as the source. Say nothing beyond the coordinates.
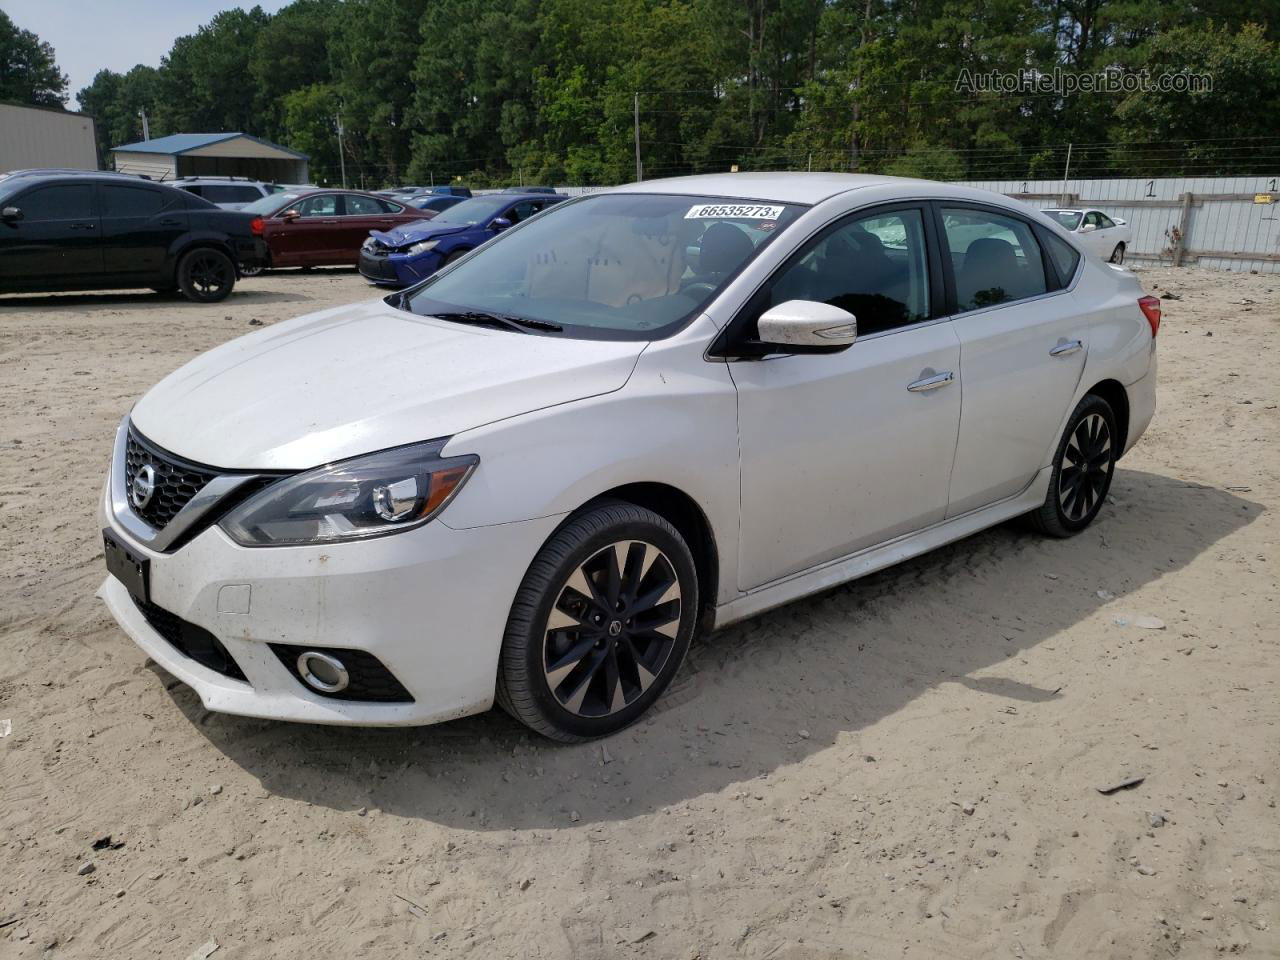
(28, 71)
(503, 92)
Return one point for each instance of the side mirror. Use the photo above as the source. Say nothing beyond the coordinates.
(11, 214)
(806, 326)
(1088, 228)
(290, 215)
(500, 223)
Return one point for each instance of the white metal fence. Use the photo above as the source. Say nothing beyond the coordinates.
(1222, 223)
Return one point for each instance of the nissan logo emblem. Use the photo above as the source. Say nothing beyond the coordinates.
(144, 486)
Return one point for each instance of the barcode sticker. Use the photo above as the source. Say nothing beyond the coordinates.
(734, 211)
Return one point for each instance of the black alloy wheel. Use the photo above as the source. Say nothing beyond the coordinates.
(600, 624)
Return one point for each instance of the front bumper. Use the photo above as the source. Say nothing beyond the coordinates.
(398, 269)
(431, 604)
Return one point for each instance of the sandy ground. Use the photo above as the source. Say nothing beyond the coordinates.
(902, 767)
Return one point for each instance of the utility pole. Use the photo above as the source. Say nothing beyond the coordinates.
(146, 127)
(1065, 170)
(342, 159)
(639, 171)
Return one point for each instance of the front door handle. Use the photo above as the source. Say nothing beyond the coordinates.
(932, 383)
(1066, 348)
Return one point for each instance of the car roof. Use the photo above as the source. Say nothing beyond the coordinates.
(1065, 209)
(521, 196)
(778, 187)
(55, 173)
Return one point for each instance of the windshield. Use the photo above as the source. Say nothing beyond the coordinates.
(612, 266)
(1069, 219)
(270, 204)
(473, 211)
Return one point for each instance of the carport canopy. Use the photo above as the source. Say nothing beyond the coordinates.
(212, 154)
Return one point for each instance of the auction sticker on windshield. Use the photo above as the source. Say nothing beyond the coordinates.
(728, 211)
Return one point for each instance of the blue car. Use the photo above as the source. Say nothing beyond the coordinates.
(413, 252)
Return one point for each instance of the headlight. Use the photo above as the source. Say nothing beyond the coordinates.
(424, 246)
(368, 496)
(369, 244)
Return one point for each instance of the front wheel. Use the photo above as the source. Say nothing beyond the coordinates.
(1117, 255)
(600, 625)
(1082, 470)
(206, 275)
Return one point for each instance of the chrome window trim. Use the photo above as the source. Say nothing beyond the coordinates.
(197, 507)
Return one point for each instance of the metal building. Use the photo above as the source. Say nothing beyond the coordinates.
(211, 154)
(45, 137)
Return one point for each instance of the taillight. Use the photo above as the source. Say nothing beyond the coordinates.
(1151, 310)
(257, 225)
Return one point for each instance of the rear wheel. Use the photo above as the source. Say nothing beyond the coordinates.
(600, 624)
(247, 271)
(1117, 255)
(1082, 470)
(206, 275)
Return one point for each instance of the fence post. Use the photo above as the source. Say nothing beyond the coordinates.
(1182, 229)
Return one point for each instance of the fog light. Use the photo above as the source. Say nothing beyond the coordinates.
(323, 672)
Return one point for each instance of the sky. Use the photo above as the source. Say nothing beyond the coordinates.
(89, 35)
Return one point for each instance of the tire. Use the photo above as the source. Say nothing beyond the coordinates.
(454, 257)
(601, 665)
(251, 271)
(1073, 500)
(206, 275)
(1117, 255)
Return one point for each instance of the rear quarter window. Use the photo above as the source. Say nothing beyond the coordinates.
(1065, 258)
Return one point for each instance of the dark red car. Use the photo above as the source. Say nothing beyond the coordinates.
(313, 228)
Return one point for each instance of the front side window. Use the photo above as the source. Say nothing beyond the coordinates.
(325, 205)
(1091, 218)
(63, 202)
(130, 201)
(612, 266)
(995, 258)
(875, 267)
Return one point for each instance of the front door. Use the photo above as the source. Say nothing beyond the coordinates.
(55, 236)
(313, 238)
(844, 451)
(1024, 345)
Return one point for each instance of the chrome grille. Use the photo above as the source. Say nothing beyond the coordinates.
(176, 481)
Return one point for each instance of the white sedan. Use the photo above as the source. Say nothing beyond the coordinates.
(1103, 236)
(534, 476)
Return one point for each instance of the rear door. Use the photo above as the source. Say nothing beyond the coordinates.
(139, 226)
(360, 214)
(1023, 345)
(57, 236)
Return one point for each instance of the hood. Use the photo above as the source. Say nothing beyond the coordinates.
(362, 378)
(414, 232)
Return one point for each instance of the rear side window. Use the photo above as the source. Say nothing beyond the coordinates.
(1064, 256)
(229, 193)
(72, 201)
(995, 258)
(358, 206)
(130, 201)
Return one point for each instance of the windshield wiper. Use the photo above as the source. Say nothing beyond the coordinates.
(480, 318)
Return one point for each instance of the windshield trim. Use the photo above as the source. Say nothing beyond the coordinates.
(404, 299)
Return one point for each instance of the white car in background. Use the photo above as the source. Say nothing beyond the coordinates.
(672, 405)
(1102, 235)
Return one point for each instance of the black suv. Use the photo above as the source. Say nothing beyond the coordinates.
(61, 230)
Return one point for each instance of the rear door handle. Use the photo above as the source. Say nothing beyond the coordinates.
(1066, 348)
(83, 226)
(328, 221)
(932, 383)
(170, 222)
